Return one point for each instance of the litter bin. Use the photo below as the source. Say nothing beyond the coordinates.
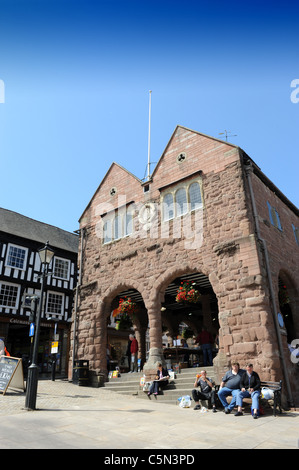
(81, 372)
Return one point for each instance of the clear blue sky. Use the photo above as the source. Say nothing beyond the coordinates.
(77, 76)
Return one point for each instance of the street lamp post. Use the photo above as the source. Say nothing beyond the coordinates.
(46, 254)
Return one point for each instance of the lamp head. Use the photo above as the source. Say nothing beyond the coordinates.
(46, 254)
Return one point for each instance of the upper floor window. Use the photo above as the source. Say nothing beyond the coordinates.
(296, 234)
(9, 294)
(61, 268)
(181, 200)
(16, 256)
(118, 226)
(195, 196)
(55, 303)
(168, 207)
(274, 216)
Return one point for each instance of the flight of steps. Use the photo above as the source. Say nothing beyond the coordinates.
(183, 384)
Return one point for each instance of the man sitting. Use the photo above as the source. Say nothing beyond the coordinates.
(230, 385)
(205, 393)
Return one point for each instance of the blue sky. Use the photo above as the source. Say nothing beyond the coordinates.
(77, 76)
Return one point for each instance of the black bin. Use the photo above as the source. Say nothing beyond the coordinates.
(81, 372)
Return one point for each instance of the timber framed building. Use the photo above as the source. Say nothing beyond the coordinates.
(20, 239)
(208, 215)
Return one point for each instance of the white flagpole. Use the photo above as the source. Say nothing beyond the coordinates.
(149, 136)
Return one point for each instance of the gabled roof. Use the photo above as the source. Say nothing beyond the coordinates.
(107, 173)
(193, 132)
(22, 226)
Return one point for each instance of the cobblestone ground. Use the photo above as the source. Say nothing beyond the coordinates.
(58, 394)
(69, 416)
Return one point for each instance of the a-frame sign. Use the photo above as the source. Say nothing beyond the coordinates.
(11, 373)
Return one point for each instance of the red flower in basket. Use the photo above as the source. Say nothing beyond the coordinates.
(187, 293)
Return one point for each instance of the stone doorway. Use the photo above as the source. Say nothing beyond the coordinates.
(183, 321)
(121, 324)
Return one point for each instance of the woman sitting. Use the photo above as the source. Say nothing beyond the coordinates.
(160, 381)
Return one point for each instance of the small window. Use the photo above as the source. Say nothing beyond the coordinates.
(9, 295)
(181, 202)
(16, 257)
(296, 234)
(195, 196)
(55, 303)
(61, 268)
(181, 157)
(168, 207)
(274, 216)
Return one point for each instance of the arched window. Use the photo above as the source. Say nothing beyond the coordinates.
(168, 209)
(181, 202)
(195, 196)
(117, 227)
(107, 231)
(128, 223)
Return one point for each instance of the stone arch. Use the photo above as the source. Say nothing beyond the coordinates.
(157, 297)
(290, 310)
(161, 283)
(104, 307)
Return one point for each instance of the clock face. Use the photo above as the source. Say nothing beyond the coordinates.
(147, 214)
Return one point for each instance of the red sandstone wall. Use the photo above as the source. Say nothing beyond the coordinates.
(228, 255)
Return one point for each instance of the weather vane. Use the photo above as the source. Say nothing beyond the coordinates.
(226, 134)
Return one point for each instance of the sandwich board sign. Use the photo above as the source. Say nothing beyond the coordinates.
(11, 373)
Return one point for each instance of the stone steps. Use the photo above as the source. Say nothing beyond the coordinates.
(183, 384)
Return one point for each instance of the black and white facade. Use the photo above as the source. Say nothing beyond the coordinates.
(20, 240)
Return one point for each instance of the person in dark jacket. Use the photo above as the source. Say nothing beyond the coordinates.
(250, 388)
(160, 382)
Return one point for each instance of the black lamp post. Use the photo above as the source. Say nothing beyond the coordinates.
(46, 254)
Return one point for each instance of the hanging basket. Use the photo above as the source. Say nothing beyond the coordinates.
(187, 293)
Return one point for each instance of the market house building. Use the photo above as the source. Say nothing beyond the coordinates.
(20, 239)
(207, 215)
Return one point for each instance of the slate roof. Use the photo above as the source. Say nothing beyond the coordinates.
(22, 226)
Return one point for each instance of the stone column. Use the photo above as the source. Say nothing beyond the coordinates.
(155, 333)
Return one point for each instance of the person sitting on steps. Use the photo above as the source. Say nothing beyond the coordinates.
(206, 392)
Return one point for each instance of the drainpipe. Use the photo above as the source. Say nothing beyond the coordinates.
(248, 171)
(76, 299)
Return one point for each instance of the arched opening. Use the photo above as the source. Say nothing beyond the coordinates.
(184, 316)
(288, 306)
(128, 316)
